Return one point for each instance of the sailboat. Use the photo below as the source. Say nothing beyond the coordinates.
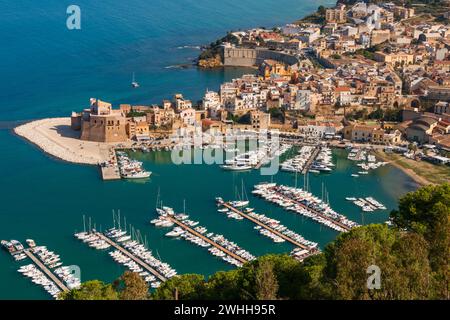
(134, 83)
(243, 200)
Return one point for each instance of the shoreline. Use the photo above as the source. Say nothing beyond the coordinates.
(54, 137)
(422, 181)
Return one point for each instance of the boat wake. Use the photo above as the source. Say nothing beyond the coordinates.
(189, 47)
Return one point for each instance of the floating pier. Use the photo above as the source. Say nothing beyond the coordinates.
(198, 234)
(310, 160)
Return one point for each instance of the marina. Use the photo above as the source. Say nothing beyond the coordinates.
(137, 212)
(189, 230)
(368, 204)
(304, 203)
(272, 226)
(130, 169)
(46, 269)
(130, 253)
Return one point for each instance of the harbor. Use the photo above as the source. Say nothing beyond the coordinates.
(188, 229)
(272, 226)
(304, 203)
(98, 264)
(130, 253)
(46, 269)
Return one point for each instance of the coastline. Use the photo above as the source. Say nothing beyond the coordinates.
(422, 181)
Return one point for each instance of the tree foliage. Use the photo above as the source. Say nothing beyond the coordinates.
(92, 290)
(130, 286)
(427, 212)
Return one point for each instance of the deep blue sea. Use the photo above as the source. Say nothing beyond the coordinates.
(47, 70)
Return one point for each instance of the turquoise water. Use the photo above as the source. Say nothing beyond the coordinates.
(49, 71)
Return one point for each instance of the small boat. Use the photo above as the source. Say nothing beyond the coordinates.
(355, 175)
(350, 198)
(236, 167)
(134, 83)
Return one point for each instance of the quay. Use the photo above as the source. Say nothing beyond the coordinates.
(45, 270)
(109, 173)
(343, 226)
(131, 256)
(198, 234)
(262, 225)
(310, 160)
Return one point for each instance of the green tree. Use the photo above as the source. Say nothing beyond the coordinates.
(92, 290)
(427, 212)
(130, 286)
(401, 257)
(187, 286)
(321, 10)
(224, 285)
(266, 282)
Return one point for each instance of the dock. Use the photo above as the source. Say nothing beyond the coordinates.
(44, 269)
(314, 211)
(132, 256)
(109, 173)
(262, 225)
(310, 160)
(198, 234)
(110, 170)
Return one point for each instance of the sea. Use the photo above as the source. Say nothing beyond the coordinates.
(48, 70)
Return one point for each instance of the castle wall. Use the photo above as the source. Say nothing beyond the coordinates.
(245, 57)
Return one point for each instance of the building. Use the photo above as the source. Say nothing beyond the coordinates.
(403, 13)
(336, 15)
(379, 36)
(100, 123)
(260, 120)
(303, 100)
(397, 58)
(420, 129)
(442, 107)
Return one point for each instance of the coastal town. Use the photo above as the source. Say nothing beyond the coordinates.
(370, 74)
(346, 113)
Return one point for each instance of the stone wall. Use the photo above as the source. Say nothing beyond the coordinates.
(245, 57)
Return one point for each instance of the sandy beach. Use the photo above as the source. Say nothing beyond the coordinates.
(55, 137)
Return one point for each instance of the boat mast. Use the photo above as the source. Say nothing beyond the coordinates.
(322, 190)
(84, 223)
(184, 206)
(125, 223)
(118, 214)
(157, 197)
(296, 172)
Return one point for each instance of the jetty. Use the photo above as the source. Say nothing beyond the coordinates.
(131, 256)
(44, 269)
(262, 225)
(201, 236)
(318, 213)
(310, 160)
